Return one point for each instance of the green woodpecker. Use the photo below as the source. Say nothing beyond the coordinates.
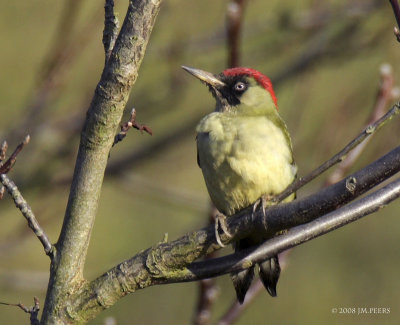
(245, 153)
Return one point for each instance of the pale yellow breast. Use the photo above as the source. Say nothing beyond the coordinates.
(242, 158)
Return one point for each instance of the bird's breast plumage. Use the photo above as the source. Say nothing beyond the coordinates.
(243, 158)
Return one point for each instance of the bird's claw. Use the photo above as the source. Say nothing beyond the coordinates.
(265, 201)
(220, 223)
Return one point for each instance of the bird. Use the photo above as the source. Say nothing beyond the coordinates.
(245, 153)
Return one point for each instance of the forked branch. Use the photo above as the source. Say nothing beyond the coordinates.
(33, 311)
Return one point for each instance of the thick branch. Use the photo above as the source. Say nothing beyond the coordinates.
(103, 118)
(172, 262)
(297, 235)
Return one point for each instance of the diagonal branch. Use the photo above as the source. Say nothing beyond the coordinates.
(366, 133)
(386, 92)
(27, 212)
(16, 195)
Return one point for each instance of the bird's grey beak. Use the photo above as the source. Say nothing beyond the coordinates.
(205, 76)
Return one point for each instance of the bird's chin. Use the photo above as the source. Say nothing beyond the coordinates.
(223, 107)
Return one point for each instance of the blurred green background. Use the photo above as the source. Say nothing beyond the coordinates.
(324, 58)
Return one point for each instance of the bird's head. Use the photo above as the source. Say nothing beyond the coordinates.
(239, 90)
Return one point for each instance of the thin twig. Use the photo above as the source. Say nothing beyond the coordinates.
(208, 293)
(235, 310)
(208, 290)
(131, 123)
(27, 212)
(6, 167)
(111, 26)
(3, 151)
(384, 95)
(33, 311)
(340, 156)
(396, 11)
(234, 15)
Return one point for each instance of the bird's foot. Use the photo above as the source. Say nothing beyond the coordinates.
(220, 223)
(265, 201)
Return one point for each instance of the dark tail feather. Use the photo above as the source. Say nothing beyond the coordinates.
(269, 274)
(241, 281)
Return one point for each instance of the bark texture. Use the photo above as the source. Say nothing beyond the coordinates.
(103, 117)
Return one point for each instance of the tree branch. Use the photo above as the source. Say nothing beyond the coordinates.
(236, 309)
(27, 212)
(6, 167)
(386, 93)
(396, 11)
(33, 311)
(127, 125)
(298, 235)
(234, 16)
(111, 26)
(103, 117)
(174, 262)
(207, 288)
(17, 197)
(340, 156)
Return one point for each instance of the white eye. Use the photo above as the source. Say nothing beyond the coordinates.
(240, 86)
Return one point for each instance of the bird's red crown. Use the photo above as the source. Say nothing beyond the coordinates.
(263, 80)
